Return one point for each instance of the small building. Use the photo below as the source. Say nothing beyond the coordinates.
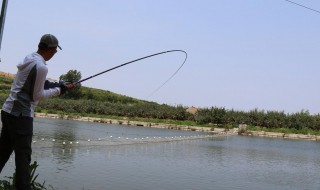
(193, 110)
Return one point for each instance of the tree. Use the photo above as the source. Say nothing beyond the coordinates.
(70, 77)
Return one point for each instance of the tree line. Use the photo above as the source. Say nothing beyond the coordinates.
(264, 119)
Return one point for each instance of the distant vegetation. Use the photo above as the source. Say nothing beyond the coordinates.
(300, 122)
(90, 101)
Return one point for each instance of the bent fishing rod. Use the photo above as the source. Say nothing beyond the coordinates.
(127, 63)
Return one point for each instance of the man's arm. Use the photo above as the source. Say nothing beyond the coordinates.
(39, 92)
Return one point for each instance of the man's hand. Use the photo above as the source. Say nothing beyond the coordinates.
(64, 87)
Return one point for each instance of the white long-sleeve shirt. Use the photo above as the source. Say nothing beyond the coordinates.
(28, 87)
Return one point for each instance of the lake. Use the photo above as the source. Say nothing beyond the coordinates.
(119, 157)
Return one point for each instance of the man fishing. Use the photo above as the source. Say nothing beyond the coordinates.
(29, 86)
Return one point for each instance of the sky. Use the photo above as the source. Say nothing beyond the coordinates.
(242, 54)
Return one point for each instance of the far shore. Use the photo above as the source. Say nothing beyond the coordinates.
(220, 131)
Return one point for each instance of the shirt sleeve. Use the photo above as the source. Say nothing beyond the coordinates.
(48, 84)
(39, 92)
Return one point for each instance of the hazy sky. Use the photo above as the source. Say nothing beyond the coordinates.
(242, 54)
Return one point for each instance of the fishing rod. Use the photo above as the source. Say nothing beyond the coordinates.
(3, 18)
(127, 63)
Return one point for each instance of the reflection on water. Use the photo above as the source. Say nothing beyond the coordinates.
(215, 163)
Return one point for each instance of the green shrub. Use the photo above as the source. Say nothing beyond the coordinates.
(10, 183)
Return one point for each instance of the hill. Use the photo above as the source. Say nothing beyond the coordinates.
(101, 102)
(8, 75)
(6, 80)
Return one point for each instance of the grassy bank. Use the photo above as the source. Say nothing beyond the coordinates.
(304, 131)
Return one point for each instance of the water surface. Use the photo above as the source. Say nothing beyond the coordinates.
(232, 162)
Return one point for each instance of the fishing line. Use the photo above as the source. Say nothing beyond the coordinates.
(303, 6)
(139, 59)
